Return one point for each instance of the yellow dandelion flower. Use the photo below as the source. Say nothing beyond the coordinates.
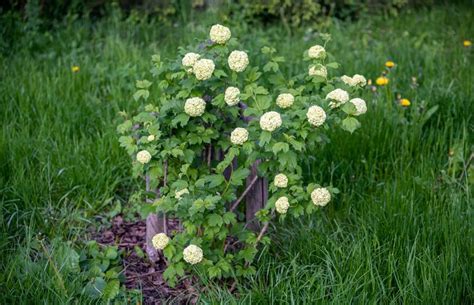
(467, 43)
(382, 81)
(75, 69)
(405, 102)
(389, 64)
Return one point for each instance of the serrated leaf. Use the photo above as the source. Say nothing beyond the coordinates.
(280, 146)
(215, 220)
(350, 124)
(142, 93)
(143, 84)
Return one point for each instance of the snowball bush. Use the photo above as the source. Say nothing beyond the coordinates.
(205, 119)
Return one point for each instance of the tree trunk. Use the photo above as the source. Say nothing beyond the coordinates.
(154, 225)
(256, 198)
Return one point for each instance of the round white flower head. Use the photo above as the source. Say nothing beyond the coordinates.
(316, 116)
(160, 241)
(192, 254)
(238, 61)
(150, 138)
(359, 80)
(285, 100)
(318, 71)
(219, 34)
(194, 106)
(320, 196)
(316, 52)
(179, 194)
(143, 157)
(281, 181)
(348, 80)
(239, 136)
(189, 60)
(282, 205)
(337, 97)
(203, 69)
(270, 121)
(231, 96)
(360, 105)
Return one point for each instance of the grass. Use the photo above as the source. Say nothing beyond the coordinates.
(400, 231)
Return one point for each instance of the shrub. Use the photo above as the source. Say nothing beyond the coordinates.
(209, 117)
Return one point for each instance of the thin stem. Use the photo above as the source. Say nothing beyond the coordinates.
(165, 178)
(236, 203)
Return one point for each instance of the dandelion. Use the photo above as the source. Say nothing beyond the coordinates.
(382, 81)
(467, 43)
(389, 64)
(75, 69)
(405, 102)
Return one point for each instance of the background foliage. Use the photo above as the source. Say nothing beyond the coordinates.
(400, 231)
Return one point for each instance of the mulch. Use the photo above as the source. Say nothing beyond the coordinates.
(141, 273)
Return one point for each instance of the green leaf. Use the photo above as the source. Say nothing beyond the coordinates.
(332, 65)
(280, 146)
(350, 124)
(349, 108)
(265, 137)
(112, 289)
(142, 93)
(124, 127)
(181, 119)
(143, 84)
(215, 220)
(215, 180)
(111, 253)
(238, 175)
(95, 288)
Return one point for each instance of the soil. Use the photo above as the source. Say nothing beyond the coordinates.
(141, 273)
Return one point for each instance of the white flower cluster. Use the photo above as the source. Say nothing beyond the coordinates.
(270, 121)
(179, 194)
(231, 96)
(320, 196)
(316, 52)
(238, 61)
(285, 100)
(219, 34)
(194, 106)
(192, 254)
(337, 97)
(318, 70)
(150, 138)
(239, 136)
(189, 60)
(143, 157)
(316, 116)
(281, 181)
(203, 69)
(160, 241)
(282, 205)
(356, 80)
(360, 105)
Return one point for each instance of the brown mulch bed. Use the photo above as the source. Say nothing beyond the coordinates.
(141, 273)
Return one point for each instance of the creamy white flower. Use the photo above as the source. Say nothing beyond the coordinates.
(270, 121)
(316, 116)
(194, 106)
(318, 71)
(231, 96)
(360, 105)
(359, 80)
(316, 52)
(203, 69)
(239, 136)
(238, 61)
(179, 194)
(347, 80)
(150, 138)
(219, 34)
(282, 205)
(160, 241)
(337, 97)
(285, 100)
(192, 254)
(320, 196)
(143, 157)
(281, 181)
(189, 60)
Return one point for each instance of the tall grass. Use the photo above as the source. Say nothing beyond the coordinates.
(399, 232)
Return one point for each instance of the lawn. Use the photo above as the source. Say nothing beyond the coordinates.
(400, 231)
